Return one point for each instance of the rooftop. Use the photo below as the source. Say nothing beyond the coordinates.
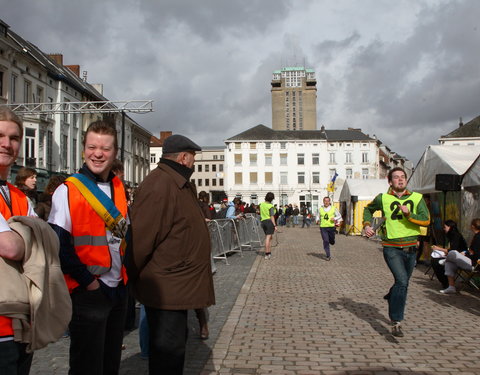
(264, 133)
(469, 130)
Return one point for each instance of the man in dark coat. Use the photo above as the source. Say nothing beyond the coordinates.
(168, 260)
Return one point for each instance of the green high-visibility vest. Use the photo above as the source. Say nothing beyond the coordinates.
(325, 217)
(396, 223)
(265, 210)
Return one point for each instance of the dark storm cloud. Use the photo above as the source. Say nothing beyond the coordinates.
(207, 64)
(211, 19)
(424, 82)
(327, 51)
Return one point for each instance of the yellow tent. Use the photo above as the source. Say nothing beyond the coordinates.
(355, 195)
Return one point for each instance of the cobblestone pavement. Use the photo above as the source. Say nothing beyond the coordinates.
(300, 314)
(228, 281)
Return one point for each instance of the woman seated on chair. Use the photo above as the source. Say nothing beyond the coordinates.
(455, 242)
(465, 261)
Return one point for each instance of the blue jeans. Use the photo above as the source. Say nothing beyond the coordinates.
(401, 264)
(143, 334)
(328, 237)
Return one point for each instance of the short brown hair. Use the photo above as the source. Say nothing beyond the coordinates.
(102, 127)
(6, 114)
(117, 166)
(269, 197)
(396, 169)
(54, 182)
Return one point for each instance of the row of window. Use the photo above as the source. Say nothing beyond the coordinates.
(283, 145)
(206, 167)
(315, 177)
(29, 95)
(153, 160)
(207, 182)
(300, 159)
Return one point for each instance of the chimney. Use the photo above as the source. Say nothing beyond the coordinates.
(165, 135)
(57, 57)
(75, 69)
(98, 87)
(460, 124)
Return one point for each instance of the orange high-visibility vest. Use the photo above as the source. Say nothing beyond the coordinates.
(19, 208)
(89, 232)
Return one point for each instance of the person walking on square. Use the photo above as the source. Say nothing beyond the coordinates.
(328, 219)
(267, 221)
(89, 215)
(296, 212)
(404, 212)
(305, 216)
(168, 255)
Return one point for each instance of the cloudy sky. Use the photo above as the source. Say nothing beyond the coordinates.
(404, 70)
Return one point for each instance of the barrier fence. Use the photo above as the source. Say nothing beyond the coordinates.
(234, 235)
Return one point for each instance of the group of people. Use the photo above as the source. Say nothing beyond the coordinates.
(447, 260)
(159, 248)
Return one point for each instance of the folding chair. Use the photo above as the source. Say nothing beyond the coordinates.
(468, 276)
(429, 268)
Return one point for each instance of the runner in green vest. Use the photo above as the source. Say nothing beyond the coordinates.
(329, 217)
(404, 213)
(267, 218)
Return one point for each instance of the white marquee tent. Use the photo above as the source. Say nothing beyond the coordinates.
(461, 206)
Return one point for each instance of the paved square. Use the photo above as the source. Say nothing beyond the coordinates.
(300, 314)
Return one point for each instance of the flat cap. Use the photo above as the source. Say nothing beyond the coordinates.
(179, 143)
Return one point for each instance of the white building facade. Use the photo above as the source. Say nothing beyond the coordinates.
(209, 174)
(296, 166)
(209, 167)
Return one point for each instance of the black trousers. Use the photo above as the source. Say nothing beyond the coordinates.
(96, 331)
(168, 339)
(14, 360)
(440, 272)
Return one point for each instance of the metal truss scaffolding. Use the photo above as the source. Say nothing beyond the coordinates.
(131, 106)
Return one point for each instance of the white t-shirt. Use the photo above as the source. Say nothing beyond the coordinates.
(4, 225)
(60, 215)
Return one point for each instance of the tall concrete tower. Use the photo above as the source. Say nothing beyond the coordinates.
(294, 99)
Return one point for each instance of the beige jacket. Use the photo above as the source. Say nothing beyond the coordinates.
(33, 291)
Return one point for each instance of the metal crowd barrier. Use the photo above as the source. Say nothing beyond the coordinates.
(257, 237)
(233, 235)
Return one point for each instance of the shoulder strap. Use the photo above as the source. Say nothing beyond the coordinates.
(101, 204)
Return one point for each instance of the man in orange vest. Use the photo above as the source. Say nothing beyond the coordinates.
(13, 357)
(91, 254)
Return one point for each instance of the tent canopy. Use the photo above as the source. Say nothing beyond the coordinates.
(440, 159)
(363, 189)
(472, 177)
